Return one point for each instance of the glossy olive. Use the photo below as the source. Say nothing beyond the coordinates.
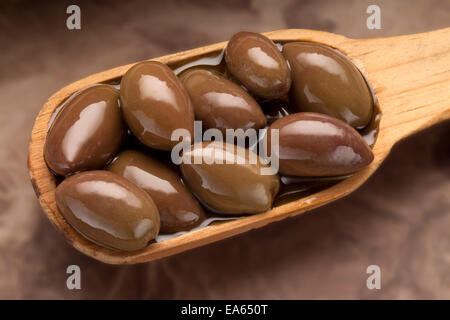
(258, 64)
(108, 209)
(178, 209)
(154, 104)
(222, 104)
(86, 133)
(314, 144)
(325, 81)
(224, 183)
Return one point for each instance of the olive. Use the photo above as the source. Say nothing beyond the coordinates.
(108, 209)
(178, 208)
(220, 103)
(229, 179)
(258, 64)
(314, 144)
(86, 133)
(326, 81)
(154, 104)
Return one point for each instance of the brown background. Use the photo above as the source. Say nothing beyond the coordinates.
(399, 220)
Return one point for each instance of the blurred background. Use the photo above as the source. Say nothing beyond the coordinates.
(399, 220)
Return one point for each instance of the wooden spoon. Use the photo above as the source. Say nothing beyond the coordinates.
(410, 76)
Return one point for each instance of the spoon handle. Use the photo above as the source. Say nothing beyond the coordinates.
(410, 76)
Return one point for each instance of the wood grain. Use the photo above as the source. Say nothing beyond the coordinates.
(410, 76)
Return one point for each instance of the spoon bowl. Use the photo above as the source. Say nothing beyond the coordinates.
(409, 75)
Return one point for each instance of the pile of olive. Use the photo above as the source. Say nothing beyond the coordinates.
(122, 197)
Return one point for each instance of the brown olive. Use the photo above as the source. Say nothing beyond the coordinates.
(154, 104)
(178, 209)
(229, 179)
(314, 144)
(108, 209)
(222, 104)
(258, 64)
(325, 81)
(86, 133)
